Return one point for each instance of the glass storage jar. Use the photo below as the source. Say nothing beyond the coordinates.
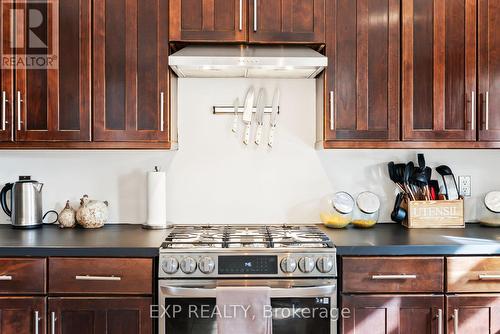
(337, 210)
(367, 215)
(490, 213)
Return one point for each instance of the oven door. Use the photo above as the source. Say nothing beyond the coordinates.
(298, 306)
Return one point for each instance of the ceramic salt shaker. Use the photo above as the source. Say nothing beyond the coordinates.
(92, 214)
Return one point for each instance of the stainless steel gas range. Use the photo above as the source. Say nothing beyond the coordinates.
(297, 262)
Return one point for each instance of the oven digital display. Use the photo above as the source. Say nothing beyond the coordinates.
(248, 265)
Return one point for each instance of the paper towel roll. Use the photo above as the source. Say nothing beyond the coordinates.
(157, 197)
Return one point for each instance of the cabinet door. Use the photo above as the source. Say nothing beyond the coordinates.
(439, 70)
(131, 70)
(53, 102)
(370, 314)
(287, 21)
(208, 21)
(6, 77)
(22, 315)
(100, 315)
(489, 69)
(478, 314)
(362, 79)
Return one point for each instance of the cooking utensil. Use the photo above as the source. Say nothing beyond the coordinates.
(394, 175)
(421, 161)
(247, 115)
(407, 174)
(434, 189)
(398, 214)
(449, 181)
(261, 105)
(274, 117)
(236, 123)
(26, 203)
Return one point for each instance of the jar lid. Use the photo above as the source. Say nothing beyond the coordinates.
(368, 202)
(492, 201)
(343, 202)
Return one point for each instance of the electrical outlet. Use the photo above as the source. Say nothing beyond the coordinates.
(465, 186)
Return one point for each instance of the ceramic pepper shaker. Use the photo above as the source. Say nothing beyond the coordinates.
(67, 217)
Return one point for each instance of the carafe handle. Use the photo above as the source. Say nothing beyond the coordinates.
(3, 198)
(47, 213)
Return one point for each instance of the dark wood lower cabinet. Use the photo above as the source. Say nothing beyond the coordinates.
(19, 315)
(100, 315)
(387, 314)
(478, 314)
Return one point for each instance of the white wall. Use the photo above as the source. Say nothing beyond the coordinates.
(213, 178)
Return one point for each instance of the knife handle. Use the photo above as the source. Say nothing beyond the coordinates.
(271, 136)
(246, 137)
(236, 122)
(258, 135)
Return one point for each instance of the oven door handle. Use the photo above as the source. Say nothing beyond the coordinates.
(195, 292)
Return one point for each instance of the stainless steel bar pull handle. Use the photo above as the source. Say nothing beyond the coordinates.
(473, 110)
(53, 322)
(5, 278)
(241, 16)
(487, 116)
(455, 321)
(19, 101)
(37, 322)
(489, 277)
(255, 15)
(440, 321)
(4, 109)
(162, 111)
(393, 277)
(332, 111)
(98, 278)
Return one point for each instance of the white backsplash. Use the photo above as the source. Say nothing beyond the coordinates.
(214, 178)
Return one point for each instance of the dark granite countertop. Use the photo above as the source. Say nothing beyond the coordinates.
(133, 241)
(394, 239)
(111, 240)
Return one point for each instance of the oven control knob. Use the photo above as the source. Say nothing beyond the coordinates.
(288, 265)
(206, 265)
(188, 265)
(306, 264)
(170, 265)
(325, 264)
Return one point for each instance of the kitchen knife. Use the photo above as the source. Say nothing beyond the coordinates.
(236, 118)
(261, 105)
(274, 116)
(247, 115)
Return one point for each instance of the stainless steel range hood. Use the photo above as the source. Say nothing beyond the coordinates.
(235, 61)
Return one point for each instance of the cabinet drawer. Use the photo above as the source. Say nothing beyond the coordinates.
(392, 274)
(473, 274)
(22, 276)
(100, 276)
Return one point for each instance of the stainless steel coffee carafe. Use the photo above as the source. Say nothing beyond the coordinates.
(25, 202)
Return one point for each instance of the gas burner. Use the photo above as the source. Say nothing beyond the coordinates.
(247, 237)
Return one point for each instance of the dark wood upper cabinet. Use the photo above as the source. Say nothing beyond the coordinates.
(53, 104)
(393, 314)
(363, 75)
(22, 315)
(478, 314)
(439, 70)
(131, 75)
(489, 69)
(100, 315)
(6, 81)
(286, 21)
(208, 21)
